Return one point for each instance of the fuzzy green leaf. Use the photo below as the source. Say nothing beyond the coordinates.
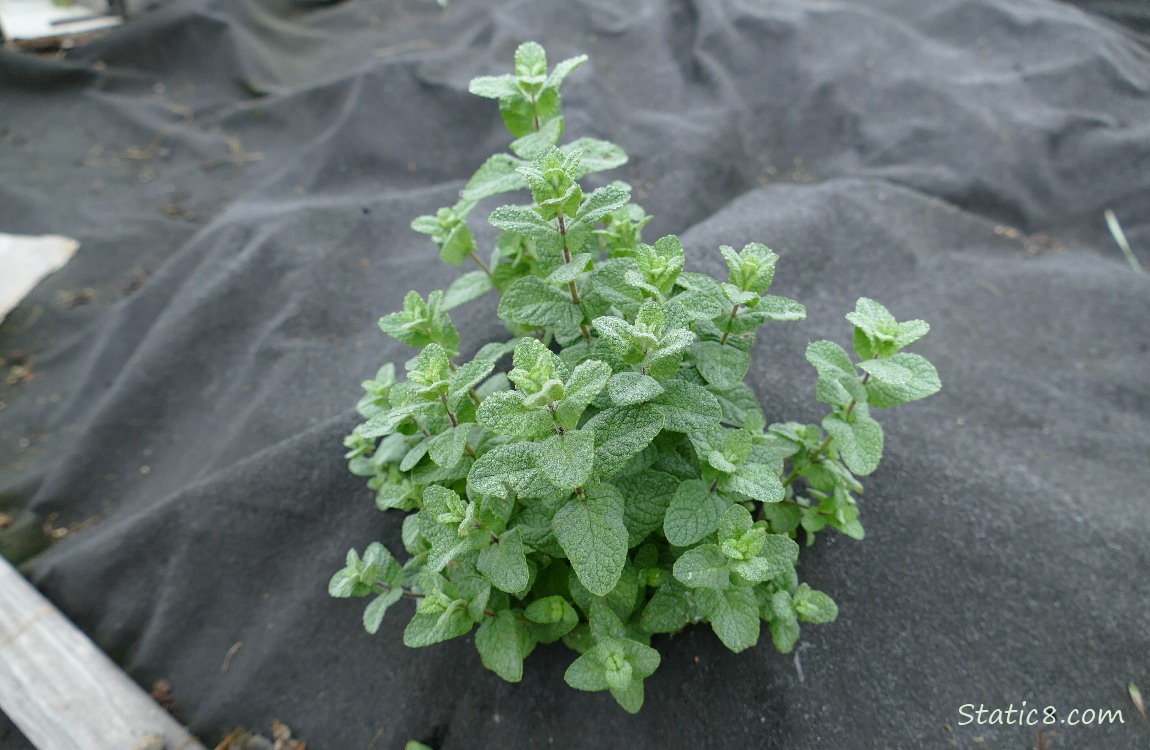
(669, 609)
(508, 468)
(525, 221)
(505, 413)
(504, 563)
(910, 331)
(734, 616)
(923, 382)
(498, 644)
(496, 175)
(590, 529)
(469, 286)
(720, 365)
(693, 513)
(703, 567)
(581, 388)
(598, 156)
(887, 372)
(778, 555)
(465, 378)
(687, 407)
(648, 494)
(814, 606)
(756, 481)
(531, 301)
(572, 270)
(373, 615)
(428, 628)
(566, 460)
(494, 87)
(587, 673)
(780, 308)
(446, 448)
(622, 432)
(859, 441)
(633, 388)
(532, 145)
(838, 380)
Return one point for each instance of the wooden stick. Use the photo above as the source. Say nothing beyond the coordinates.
(62, 691)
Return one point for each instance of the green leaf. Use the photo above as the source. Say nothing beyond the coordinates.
(778, 555)
(838, 381)
(496, 175)
(509, 468)
(694, 512)
(814, 606)
(923, 382)
(629, 698)
(633, 388)
(739, 403)
(910, 331)
(598, 156)
(752, 269)
(590, 529)
(469, 286)
(720, 365)
(552, 617)
(504, 563)
(669, 609)
(427, 628)
(562, 70)
(446, 543)
(784, 622)
(572, 270)
(859, 441)
(494, 87)
(620, 433)
(587, 673)
(532, 145)
(602, 202)
(465, 378)
(887, 372)
(687, 407)
(703, 567)
(781, 308)
(531, 301)
(457, 246)
(373, 615)
(531, 66)
(647, 493)
(446, 448)
(699, 305)
(581, 389)
(505, 413)
(566, 459)
(734, 616)
(756, 481)
(497, 642)
(526, 221)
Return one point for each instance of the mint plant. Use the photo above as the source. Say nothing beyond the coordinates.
(621, 479)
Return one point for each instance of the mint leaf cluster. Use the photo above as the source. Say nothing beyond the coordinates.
(617, 478)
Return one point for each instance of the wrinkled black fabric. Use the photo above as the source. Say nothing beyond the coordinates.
(241, 176)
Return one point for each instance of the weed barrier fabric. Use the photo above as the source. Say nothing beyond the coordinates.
(241, 177)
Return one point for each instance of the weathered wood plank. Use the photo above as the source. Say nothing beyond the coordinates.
(61, 690)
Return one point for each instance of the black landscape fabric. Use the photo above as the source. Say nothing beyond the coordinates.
(241, 176)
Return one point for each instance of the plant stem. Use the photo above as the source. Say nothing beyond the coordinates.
(727, 332)
(455, 423)
(817, 455)
(482, 266)
(571, 284)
